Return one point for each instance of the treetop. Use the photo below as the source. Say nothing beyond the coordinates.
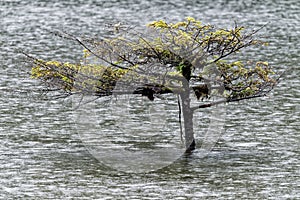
(168, 56)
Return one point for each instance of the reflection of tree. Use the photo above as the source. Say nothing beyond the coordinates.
(183, 58)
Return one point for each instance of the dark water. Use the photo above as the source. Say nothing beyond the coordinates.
(42, 157)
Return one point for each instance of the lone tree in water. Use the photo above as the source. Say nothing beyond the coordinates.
(186, 59)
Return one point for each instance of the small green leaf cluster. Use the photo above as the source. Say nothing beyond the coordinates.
(242, 80)
(55, 73)
(76, 77)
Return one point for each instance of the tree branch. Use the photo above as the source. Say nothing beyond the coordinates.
(225, 101)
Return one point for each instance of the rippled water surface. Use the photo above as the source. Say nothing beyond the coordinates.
(42, 156)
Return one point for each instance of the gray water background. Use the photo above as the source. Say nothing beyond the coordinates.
(42, 157)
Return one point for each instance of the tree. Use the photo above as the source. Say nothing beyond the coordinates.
(186, 58)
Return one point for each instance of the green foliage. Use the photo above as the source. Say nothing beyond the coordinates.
(54, 72)
(243, 81)
(239, 80)
(89, 78)
(187, 49)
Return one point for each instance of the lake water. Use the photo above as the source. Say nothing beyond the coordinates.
(43, 157)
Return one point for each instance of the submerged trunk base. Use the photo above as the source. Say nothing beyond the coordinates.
(191, 147)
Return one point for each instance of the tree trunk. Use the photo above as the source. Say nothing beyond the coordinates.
(186, 108)
(188, 120)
